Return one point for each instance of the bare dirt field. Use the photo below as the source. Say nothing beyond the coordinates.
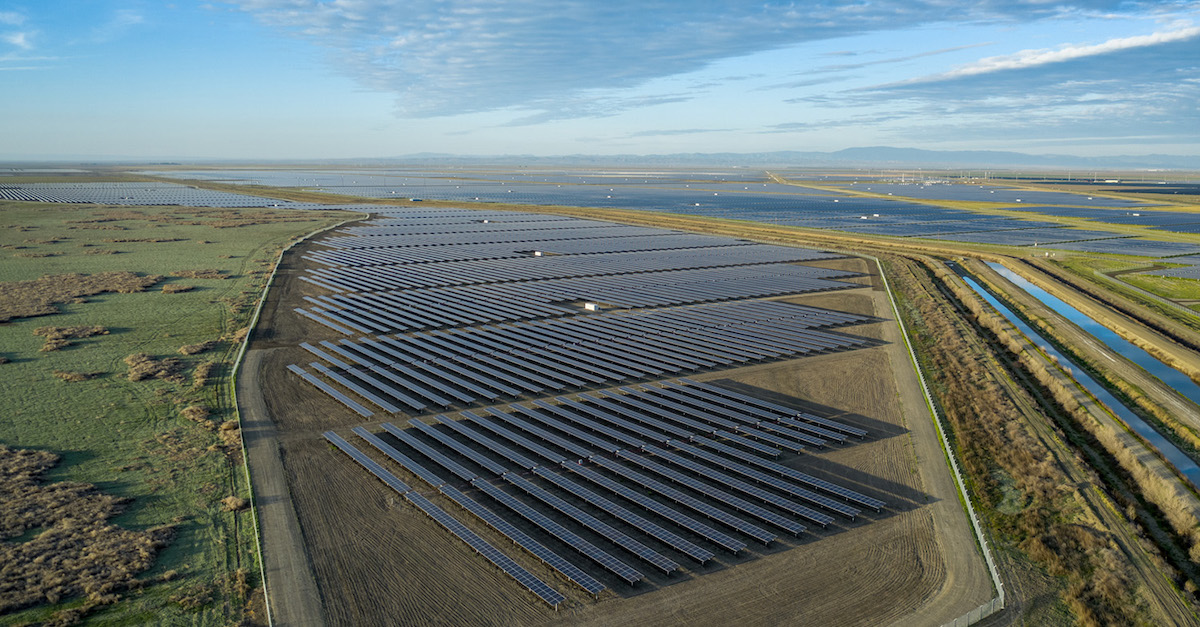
(377, 559)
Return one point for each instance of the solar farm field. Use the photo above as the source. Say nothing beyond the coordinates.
(872, 205)
(632, 426)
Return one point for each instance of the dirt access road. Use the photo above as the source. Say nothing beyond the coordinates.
(291, 589)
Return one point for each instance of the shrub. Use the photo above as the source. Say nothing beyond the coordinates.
(192, 349)
(142, 367)
(73, 377)
(201, 274)
(25, 299)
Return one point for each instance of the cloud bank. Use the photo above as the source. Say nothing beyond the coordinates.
(463, 56)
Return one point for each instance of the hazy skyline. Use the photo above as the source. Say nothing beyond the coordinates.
(306, 79)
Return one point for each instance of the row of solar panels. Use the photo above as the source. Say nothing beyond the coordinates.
(551, 441)
(482, 364)
(401, 216)
(147, 194)
(533, 268)
(392, 311)
(481, 546)
(374, 235)
(420, 253)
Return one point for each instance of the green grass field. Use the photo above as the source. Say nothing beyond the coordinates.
(128, 438)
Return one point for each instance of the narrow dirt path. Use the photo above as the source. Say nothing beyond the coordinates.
(967, 584)
(291, 588)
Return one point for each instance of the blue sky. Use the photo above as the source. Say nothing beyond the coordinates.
(312, 79)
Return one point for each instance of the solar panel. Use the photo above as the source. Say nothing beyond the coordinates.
(796, 475)
(779, 409)
(366, 462)
(578, 419)
(481, 546)
(652, 557)
(808, 496)
(533, 429)
(548, 557)
(459, 447)
(408, 464)
(508, 434)
(487, 442)
(428, 451)
(733, 501)
(326, 388)
(555, 423)
(752, 530)
(356, 388)
(612, 564)
(723, 540)
(650, 528)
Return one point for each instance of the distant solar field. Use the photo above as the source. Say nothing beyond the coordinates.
(138, 194)
(989, 193)
(1129, 246)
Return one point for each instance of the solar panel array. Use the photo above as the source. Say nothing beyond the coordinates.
(447, 310)
(444, 307)
(988, 193)
(505, 563)
(736, 195)
(422, 371)
(1137, 247)
(474, 271)
(670, 487)
(138, 194)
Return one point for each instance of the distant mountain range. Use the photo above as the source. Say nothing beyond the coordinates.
(867, 157)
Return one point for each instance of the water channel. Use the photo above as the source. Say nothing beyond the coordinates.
(1168, 450)
(1172, 377)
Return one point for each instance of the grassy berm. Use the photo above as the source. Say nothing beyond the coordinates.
(119, 449)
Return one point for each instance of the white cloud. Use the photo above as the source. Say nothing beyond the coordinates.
(1069, 52)
(11, 18)
(117, 26)
(20, 39)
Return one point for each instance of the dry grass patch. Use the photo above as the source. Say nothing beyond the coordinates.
(194, 349)
(60, 337)
(202, 373)
(76, 552)
(201, 274)
(143, 366)
(25, 299)
(143, 240)
(199, 415)
(35, 255)
(101, 251)
(176, 288)
(97, 227)
(233, 503)
(229, 432)
(74, 377)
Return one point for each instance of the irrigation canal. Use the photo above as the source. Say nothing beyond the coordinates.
(1176, 457)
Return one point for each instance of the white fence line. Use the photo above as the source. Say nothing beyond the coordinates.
(996, 603)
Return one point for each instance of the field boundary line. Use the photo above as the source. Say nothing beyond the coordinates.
(237, 364)
(997, 603)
